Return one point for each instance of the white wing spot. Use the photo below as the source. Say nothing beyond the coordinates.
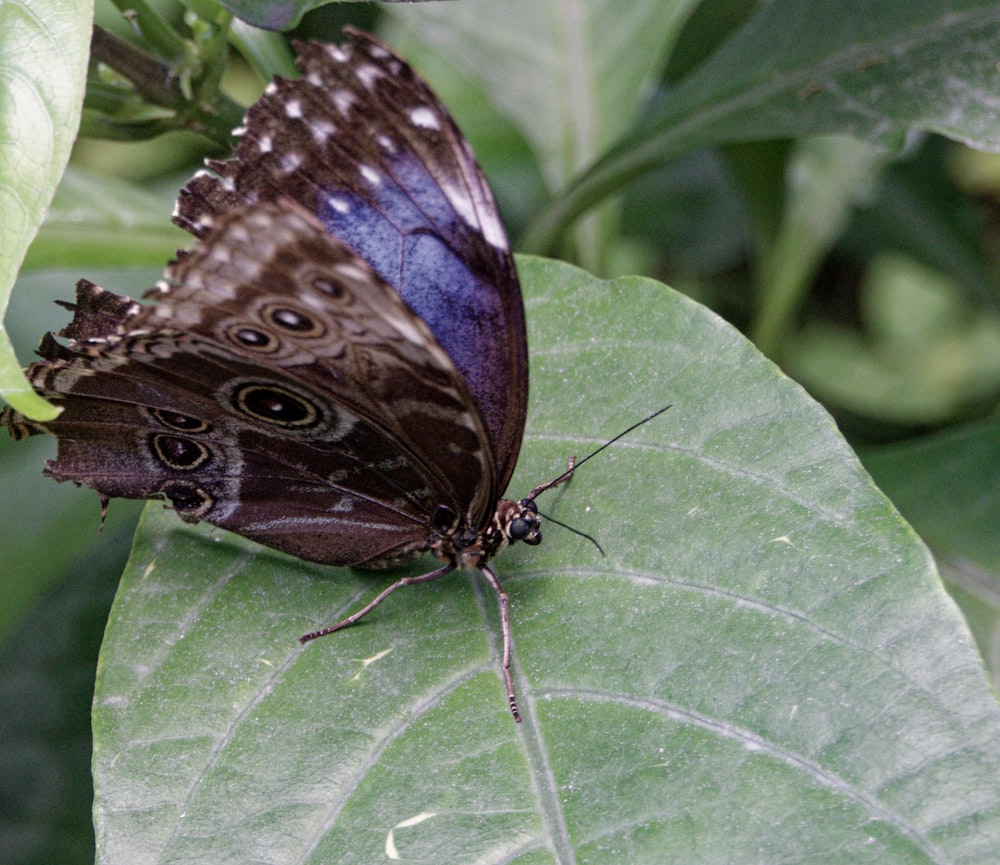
(293, 108)
(219, 253)
(343, 100)
(371, 175)
(386, 143)
(315, 79)
(368, 76)
(462, 203)
(271, 89)
(407, 329)
(322, 129)
(423, 117)
(488, 222)
(265, 144)
(350, 272)
(341, 205)
(290, 161)
(493, 230)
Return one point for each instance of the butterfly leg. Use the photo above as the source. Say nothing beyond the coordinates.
(364, 611)
(505, 631)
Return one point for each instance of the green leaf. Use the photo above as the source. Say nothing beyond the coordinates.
(46, 690)
(43, 62)
(828, 177)
(278, 16)
(929, 207)
(102, 221)
(764, 667)
(945, 485)
(875, 71)
(926, 353)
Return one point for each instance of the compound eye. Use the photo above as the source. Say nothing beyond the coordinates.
(519, 529)
(525, 529)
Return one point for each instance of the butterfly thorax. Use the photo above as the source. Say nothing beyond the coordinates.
(459, 543)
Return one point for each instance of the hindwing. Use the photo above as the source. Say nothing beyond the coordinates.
(280, 388)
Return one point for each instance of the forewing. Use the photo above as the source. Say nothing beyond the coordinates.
(362, 142)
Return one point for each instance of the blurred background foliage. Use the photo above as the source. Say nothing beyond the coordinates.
(869, 273)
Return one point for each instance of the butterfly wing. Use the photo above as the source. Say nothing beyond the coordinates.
(279, 388)
(362, 142)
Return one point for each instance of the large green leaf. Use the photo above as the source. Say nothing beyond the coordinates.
(763, 668)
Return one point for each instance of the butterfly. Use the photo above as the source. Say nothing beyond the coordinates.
(338, 368)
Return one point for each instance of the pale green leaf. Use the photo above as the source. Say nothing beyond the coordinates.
(43, 62)
(571, 76)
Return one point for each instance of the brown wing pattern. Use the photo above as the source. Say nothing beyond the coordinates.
(278, 388)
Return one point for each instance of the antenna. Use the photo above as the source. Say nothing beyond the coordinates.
(573, 466)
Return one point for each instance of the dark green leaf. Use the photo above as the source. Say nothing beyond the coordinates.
(281, 16)
(763, 668)
(875, 71)
(945, 484)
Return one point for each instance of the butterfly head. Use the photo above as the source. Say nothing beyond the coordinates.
(453, 540)
(525, 522)
(517, 521)
(512, 521)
